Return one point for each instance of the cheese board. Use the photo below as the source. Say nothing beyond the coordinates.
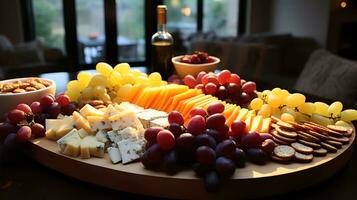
(250, 182)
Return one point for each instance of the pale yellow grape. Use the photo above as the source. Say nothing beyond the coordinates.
(256, 104)
(144, 75)
(123, 91)
(141, 80)
(115, 78)
(289, 110)
(301, 117)
(113, 95)
(321, 108)
(265, 111)
(104, 97)
(84, 77)
(135, 73)
(274, 101)
(276, 91)
(259, 94)
(163, 83)
(98, 90)
(295, 100)
(87, 93)
(284, 94)
(265, 94)
(307, 108)
(128, 79)
(73, 85)
(319, 119)
(104, 69)
(335, 109)
(276, 112)
(122, 68)
(73, 94)
(98, 79)
(155, 79)
(349, 115)
(287, 117)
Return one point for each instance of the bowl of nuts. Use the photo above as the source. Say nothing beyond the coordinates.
(23, 90)
(195, 63)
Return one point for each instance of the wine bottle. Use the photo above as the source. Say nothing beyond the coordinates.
(162, 45)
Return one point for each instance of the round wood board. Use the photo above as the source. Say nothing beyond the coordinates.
(249, 182)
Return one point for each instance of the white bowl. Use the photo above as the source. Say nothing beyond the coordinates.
(184, 69)
(9, 101)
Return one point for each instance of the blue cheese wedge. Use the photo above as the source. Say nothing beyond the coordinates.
(70, 143)
(114, 136)
(111, 111)
(114, 155)
(102, 136)
(149, 115)
(98, 123)
(82, 133)
(160, 122)
(132, 107)
(96, 148)
(123, 120)
(128, 132)
(130, 150)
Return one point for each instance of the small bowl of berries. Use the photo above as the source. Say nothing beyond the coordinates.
(195, 63)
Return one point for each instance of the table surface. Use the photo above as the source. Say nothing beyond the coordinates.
(23, 178)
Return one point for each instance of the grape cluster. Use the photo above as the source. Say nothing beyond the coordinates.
(198, 57)
(28, 121)
(206, 144)
(225, 85)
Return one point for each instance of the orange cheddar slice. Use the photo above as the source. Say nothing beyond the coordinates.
(199, 105)
(207, 102)
(160, 96)
(173, 90)
(242, 114)
(134, 92)
(182, 104)
(249, 119)
(257, 123)
(233, 116)
(190, 104)
(228, 111)
(142, 98)
(169, 106)
(153, 95)
(265, 125)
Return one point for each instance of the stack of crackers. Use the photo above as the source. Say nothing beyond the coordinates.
(302, 141)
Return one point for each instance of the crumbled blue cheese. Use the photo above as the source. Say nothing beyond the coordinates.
(130, 150)
(114, 155)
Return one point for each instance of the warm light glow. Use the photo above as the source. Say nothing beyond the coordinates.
(175, 3)
(343, 4)
(186, 11)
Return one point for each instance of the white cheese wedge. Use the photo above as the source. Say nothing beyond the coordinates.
(114, 136)
(81, 122)
(102, 136)
(128, 133)
(70, 143)
(57, 128)
(149, 115)
(89, 110)
(82, 133)
(84, 150)
(111, 111)
(98, 123)
(132, 107)
(161, 122)
(114, 155)
(130, 150)
(96, 148)
(123, 120)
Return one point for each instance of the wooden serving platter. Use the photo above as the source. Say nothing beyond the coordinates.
(249, 182)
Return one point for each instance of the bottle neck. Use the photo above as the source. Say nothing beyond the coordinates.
(161, 28)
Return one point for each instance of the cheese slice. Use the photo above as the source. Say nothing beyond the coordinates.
(70, 143)
(233, 116)
(81, 122)
(242, 114)
(170, 106)
(102, 136)
(98, 123)
(130, 150)
(257, 123)
(114, 155)
(57, 128)
(89, 110)
(160, 122)
(123, 120)
(96, 148)
(148, 115)
(265, 125)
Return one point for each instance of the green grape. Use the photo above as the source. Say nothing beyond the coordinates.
(73, 94)
(123, 91)
(280, 93)
(343, 123)
(265, 111)
(128, 79)
(349, 115)
(276, 112)
(256, 104)
(318, 119)
(265, 94)
(135, 73)
(335, 109)
(295, 100)
(287, 117)
(321, 108)
(115, 78)
(73, 85)
(289, 110)
(274, 101)
(155, 79)
(84, 77)
(104, 69)
(122, 68)
(301, 117)
(98, 79)
(307, 108)
(99, 90)
(141, 80)
(87, 93)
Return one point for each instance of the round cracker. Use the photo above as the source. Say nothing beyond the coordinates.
(310, 144)
(301, 148)
(278, 141)
(303, 157)
(340, 129)
(336, 144)
(320, 152)
(284, 151)
(278, 159)
(313, 138)
(285, 125)
(318, 135)
(289, 134)
(329, 147)
(343, 140)
(276, 134)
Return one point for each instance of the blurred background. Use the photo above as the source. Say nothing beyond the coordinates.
(291, 43)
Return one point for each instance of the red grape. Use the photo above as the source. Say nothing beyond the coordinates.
(225, 167)
(41, 118)
(238, 128)
(225, 148)
(54, 110)
(175, 129)
(151, 133)
(224, 76)
(204, 79)
(200, 75)
(10, 141)
(196, 125)
(215, 121)
(175, 117)
(210, 88)
(216, 107)
(212, 181)
(244, 98)
(185, 142)
(233, 88)
(69, 109)
(223, 131)
(36, 107)
(63, 100)
(165, 139)
(153, 157)
(190, 81)
(249, 87)
(268, 146)
(242, 82)
(23, 134)
(15, 116)
(251, 139)
(171, 165)
(256, 155)
(221, 92)
(264, 136)
(234, 79)
(205, 140)
(38, 130)
(46, 100)
(238, 156)
(214, 134)
(24, 107)
(199, 86)
(205, 155)
(212, 79)
(6, 129)
(198, 111)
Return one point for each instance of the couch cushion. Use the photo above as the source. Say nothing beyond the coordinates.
(329, 76)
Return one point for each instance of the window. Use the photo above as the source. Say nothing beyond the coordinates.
(220, 17)
(90, 31)
(48, 19)
(131, 30)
